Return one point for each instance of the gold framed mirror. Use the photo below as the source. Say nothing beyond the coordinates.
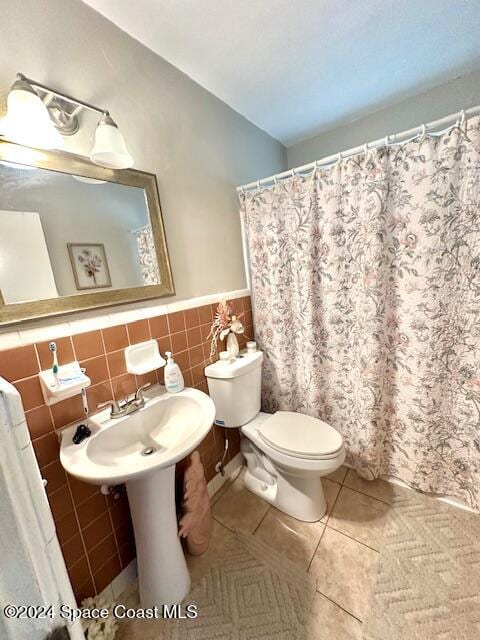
(75, 236)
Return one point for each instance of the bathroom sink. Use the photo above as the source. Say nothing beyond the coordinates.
(167, 429)
(140, 450)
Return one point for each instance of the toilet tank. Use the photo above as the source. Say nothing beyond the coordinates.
(235, 388)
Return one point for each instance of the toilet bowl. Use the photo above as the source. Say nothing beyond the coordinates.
(284, 476)
(287, 453)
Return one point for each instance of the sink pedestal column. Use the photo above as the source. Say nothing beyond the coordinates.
(163, 575)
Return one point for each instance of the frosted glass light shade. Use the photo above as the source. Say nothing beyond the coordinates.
(110, 150)
(27, 121)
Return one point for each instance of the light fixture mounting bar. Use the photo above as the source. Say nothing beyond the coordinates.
(63, 96)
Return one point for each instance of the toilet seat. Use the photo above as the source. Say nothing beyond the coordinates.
(300, 436)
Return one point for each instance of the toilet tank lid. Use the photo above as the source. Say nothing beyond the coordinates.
(242, 364)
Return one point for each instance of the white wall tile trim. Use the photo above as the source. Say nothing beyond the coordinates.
(42, 330)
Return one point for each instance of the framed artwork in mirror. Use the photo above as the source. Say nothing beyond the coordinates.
(89, 265)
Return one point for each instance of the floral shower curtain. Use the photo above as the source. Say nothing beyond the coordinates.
(147, 255)
(366, 288)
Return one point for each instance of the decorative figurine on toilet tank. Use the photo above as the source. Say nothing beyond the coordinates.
(225, 324)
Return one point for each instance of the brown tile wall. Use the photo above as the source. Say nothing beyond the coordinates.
(95, 531)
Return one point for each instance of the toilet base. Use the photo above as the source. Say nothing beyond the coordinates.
(298, 494)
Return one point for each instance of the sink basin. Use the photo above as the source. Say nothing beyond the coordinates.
(141, 450)
(167, 429)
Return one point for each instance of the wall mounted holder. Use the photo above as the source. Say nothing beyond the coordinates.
(143, 357)
(70, 381)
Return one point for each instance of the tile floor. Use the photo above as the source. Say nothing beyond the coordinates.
(341, 551)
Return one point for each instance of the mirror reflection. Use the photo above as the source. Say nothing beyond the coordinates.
(62, 235)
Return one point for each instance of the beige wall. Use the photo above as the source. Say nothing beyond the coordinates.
(198, 147)
(448, 98)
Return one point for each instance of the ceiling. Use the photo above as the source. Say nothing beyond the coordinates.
(299, 67)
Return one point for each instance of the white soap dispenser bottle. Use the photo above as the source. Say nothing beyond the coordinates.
(173, 375)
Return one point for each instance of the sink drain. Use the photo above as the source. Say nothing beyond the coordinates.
(148, 451)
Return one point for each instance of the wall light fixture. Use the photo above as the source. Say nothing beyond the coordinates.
(38, 116)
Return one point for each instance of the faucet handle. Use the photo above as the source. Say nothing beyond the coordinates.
(113, 404)
(140, 390)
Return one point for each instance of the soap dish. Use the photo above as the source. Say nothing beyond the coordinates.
(71, 381)
(143, 357)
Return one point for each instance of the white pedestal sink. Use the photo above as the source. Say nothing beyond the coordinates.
(141, 450)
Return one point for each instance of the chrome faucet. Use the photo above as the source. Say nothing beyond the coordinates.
(139, 398)
(128, 405)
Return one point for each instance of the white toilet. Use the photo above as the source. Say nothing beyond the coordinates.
(287, 453)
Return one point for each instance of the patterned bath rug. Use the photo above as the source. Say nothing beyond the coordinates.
(249, 593)
(428, 582)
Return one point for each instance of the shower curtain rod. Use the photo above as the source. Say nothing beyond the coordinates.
(395, 138)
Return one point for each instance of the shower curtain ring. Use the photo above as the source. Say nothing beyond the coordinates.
(387, 141)
(365, 150)
(258, 184)
(423, 132)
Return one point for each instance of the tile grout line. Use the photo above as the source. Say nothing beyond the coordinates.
(339, 606)
(352, 538)
(66, 515)
(114, 531)
(338, 530)
(103, 539)
(223, 525)
(107, 363)
(342, 485)
(368, 495)
(392, 484)
(81, 535)
(324, 528)
(103, 565)
(316, 549)
(329, 513)
(261, 519)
